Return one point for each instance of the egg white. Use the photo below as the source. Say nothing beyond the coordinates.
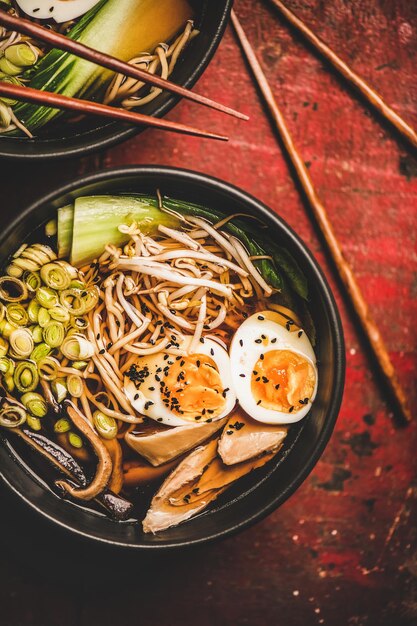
(58, 10)
(140, 398)
(245, 352)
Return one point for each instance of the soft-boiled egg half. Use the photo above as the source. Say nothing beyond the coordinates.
(177, 390)
(58, 10)
(273, 368)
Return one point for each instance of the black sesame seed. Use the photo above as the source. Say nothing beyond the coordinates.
(211, 351)
(151, 388)
(136, 396)
(291, 409)
(277, 386)
(241, 342)
(98, 336)
(259, 402)
(242, 375)
(102, 351)
(300, 332)
(229, 432)
(262, 356)
(258, 340)
(201, 339)
(274, 340)
(261, 318)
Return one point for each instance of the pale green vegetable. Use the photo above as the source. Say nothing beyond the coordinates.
(97, 219)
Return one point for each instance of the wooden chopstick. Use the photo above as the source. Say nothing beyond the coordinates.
(61, 42)
(58, 101)
(344, 70)
(319, 212)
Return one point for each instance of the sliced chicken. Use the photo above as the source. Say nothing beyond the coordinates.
(197, 481)
(244, 438)
(165, 445)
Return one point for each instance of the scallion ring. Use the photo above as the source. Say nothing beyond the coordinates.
(37, 333)
(72, 300)
(26, 377)
(60, 314)
(17, 314)
(33, 311)
(62, 426)
(21, 343)
(80, 323)
(6, 365)
(43, 317)
(54, 334)
(75, 385)
(12, 415)
(105, 425)
(40, 351)
(6, 328)
(47, 297)
(12, 289)
(59, 388)
(34, 403)
(90, 298)
(58, 275)
(76, 347)
(48, 368)
(32, 281)
(34, 422)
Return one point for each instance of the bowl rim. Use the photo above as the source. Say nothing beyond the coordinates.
(122, 132)
(333, 407)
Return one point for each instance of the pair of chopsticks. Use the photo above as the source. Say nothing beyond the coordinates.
(83, 106)
(318, 210)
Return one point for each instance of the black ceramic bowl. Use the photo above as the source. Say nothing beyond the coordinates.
(259, 493)
(63, 142)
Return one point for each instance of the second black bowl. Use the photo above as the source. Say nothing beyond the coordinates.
(64, 141)
(257, 494)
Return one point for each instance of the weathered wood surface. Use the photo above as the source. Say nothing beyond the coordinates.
(343, 549)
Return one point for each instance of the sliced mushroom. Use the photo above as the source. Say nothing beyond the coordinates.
(119, 508)
(104, 466)
(244, 438)
(163, 446)
(116, 455)
(197, 481)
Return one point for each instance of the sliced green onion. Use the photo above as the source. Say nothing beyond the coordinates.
(33, 311)
(48, 368)
(47, 297)
(12, 415)
(79, 365)
(21, 343)
(62, 425)
(9, 68)
(71, 299)
(34, 423)
(43, 317)
(77, 347)
(17, 314)
(59, 314)
(4, 347)
(2, 311)
(21, 55)
(59, 388)
(75, 385)
(6, 328)
(75, 440)
(37, 333)
(32, 281)
(58, 275)
(6, 365)
(26, 377)
(5, 114)
(51, 228)
(80, 323)
(8, 383)
(54, 334)
(12, 289)
(40, 351)
(105, 425)
(39, 253)
(91, 298)
(35, 404)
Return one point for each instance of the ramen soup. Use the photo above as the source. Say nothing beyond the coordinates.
(153, 352)
(131, 30)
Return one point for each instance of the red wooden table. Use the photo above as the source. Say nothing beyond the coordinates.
(343, 549)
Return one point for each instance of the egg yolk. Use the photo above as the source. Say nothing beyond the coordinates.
(282, 381)
(193, 388)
